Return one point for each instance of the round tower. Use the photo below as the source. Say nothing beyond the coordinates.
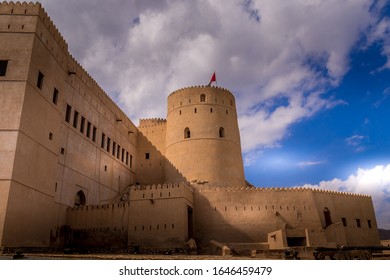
(202, 137)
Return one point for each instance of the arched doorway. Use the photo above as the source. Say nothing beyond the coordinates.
(79, 199)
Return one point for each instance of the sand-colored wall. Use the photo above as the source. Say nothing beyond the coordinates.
(159, 216)
(249, 214)
(43, 156)
(205, 155)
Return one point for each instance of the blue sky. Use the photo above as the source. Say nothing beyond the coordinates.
(311, 77)
(335, 143)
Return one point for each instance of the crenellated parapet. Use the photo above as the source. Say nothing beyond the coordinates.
(199, 87)
(151, 122)
(32, 9)
(160, 191)
(279, 190)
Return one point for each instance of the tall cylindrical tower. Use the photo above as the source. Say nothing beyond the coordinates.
(202, 136)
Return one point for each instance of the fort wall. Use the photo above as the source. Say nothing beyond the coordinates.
(154, 223)
(103, 225)
(56, 122)
(249, 214)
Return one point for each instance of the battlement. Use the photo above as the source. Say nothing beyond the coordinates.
(151, 122)
(34, 9)
(199, 87)
(280, 189)
(165, 191)
(54, 41)
(19, 8)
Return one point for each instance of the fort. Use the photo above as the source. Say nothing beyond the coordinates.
(76, 172)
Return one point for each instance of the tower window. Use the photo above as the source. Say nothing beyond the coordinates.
(369, 223)
(358, 223)
(3, 67)
(195, 110)
(113, 148)
(147, 156)
(202, 98)
(211, 110)
(40, 80)
(221, 132)
(187, 133)
(344, 221)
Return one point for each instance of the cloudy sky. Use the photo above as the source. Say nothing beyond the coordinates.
(311, 77)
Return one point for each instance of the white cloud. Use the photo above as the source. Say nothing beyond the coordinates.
(310, 163)
(357, 142)
(264, 51)
(374, 182)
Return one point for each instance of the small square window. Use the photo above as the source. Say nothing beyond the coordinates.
(51, 136)
(369, 223)
(62, 151)
(147, 156)
(358, 224)
(40, 80)
(344, 220)
(3, 67)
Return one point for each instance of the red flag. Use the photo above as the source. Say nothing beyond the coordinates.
(213, 79)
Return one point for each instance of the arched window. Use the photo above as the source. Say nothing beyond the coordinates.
(328, 219)
(187, 133)
(221, 132)
(203, 97)
(79, 198)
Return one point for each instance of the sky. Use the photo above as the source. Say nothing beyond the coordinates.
(311, 78)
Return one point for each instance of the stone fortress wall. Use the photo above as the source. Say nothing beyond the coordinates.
(139, 219)
(310, 217)
(58, 122)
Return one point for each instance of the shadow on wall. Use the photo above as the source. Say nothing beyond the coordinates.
(154, 166)
(209, 224)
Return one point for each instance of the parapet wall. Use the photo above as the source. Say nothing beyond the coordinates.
(165, 191)
(151, 122)
(35, 9)
(199, 87)
(99, 217)
(280, 189)
(57, 46)
(248, 214)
